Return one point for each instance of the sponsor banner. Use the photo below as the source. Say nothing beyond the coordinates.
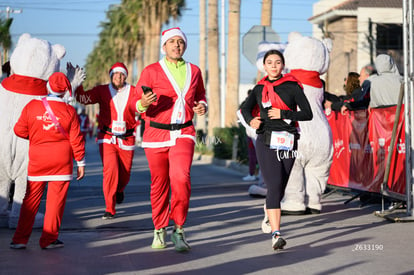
(361, 143)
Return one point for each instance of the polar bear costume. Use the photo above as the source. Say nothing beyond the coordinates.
(32, 62)
(307, 58)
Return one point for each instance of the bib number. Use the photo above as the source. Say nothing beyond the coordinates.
(282, 140)
(118, 128)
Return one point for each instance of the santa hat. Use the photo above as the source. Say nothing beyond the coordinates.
(118, 67)
(167, 34)
(58, 84)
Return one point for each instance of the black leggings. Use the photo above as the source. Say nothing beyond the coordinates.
(275, 167)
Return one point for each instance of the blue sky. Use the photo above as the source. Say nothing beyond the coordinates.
(76, 24)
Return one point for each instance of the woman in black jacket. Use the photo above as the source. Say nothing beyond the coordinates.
(278, 97)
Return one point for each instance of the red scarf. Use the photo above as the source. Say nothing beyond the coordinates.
(310, 78)
(269, 95)
(25, 85)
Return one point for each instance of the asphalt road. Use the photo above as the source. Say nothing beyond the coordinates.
(223, 229)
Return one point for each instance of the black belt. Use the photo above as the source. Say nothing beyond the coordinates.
(128, 133)
(171, 127)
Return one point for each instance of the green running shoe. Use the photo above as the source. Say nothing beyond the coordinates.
(159, 239)
(178, 238)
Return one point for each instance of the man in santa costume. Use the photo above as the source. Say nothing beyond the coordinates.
(84, 124)
(52, 128)
(177, 92)
(117, 121)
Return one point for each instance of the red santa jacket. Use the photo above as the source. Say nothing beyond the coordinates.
(114, 107)
(50, 152)
(173, 105)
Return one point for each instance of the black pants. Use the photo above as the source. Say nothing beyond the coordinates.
(275, 167)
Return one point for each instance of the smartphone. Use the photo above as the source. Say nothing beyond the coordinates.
(146, 89)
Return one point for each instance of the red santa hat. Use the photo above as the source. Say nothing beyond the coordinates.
(118, 67)
(167, 34)
(58, 84)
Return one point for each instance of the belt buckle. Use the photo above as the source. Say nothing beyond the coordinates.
(174, 127)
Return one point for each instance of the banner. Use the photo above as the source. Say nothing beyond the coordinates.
(361, 146)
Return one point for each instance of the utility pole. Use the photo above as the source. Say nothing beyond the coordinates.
(8, 10)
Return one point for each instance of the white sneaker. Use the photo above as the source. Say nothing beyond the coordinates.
(265, 223)
(249, 178)
(257, 190)
(278, 242)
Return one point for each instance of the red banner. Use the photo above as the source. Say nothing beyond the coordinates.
(361, 146)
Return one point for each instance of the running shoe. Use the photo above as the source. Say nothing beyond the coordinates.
(55, 244)
(278, 242)
(178, 238)
(107, 216)
(249, 178)
(159, 239)
(17, 245)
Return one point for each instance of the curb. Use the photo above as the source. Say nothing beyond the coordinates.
(231, 164)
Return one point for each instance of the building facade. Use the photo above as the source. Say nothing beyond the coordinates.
(360, 30)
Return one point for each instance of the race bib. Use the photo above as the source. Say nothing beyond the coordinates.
(281, 140)
(118, 128)
(179, 117)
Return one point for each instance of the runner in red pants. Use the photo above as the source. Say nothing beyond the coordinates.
(52, 127)
(116, 132)
(171, 91)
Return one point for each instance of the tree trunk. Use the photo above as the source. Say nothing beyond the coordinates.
(201, 122)
(233, 64)
(265, 21)
(156, 25)
(266, 13)
(213, 68)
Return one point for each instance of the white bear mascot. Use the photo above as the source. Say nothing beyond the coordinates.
(307, 58)
(32, 62)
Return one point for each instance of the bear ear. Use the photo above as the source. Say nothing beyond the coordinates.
(294, 36)
(59, 50)
(24, 37)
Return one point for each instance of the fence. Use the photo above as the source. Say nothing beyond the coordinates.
(361, 147)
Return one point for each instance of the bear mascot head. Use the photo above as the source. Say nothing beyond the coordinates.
(32, 62)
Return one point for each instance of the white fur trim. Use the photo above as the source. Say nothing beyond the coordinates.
(51, 91)
(167, 34)
(118, 69)
(51, 178)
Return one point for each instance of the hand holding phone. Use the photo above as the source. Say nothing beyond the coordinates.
(146, 89)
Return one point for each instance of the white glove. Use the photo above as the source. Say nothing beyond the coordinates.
(75, 75)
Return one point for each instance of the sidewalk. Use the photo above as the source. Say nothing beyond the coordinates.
(223, 228)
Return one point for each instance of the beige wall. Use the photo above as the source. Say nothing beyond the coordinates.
(344, 53)
(387, 16)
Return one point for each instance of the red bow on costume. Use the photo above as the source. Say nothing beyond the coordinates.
(270, 97)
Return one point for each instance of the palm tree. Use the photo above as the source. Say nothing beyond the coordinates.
(233, 63)
(266, 13)
(5, 37)
(157, 13)
(201, 121)
(213, 68)
(131, 32)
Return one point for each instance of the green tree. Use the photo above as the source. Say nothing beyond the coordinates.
(5, 37)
